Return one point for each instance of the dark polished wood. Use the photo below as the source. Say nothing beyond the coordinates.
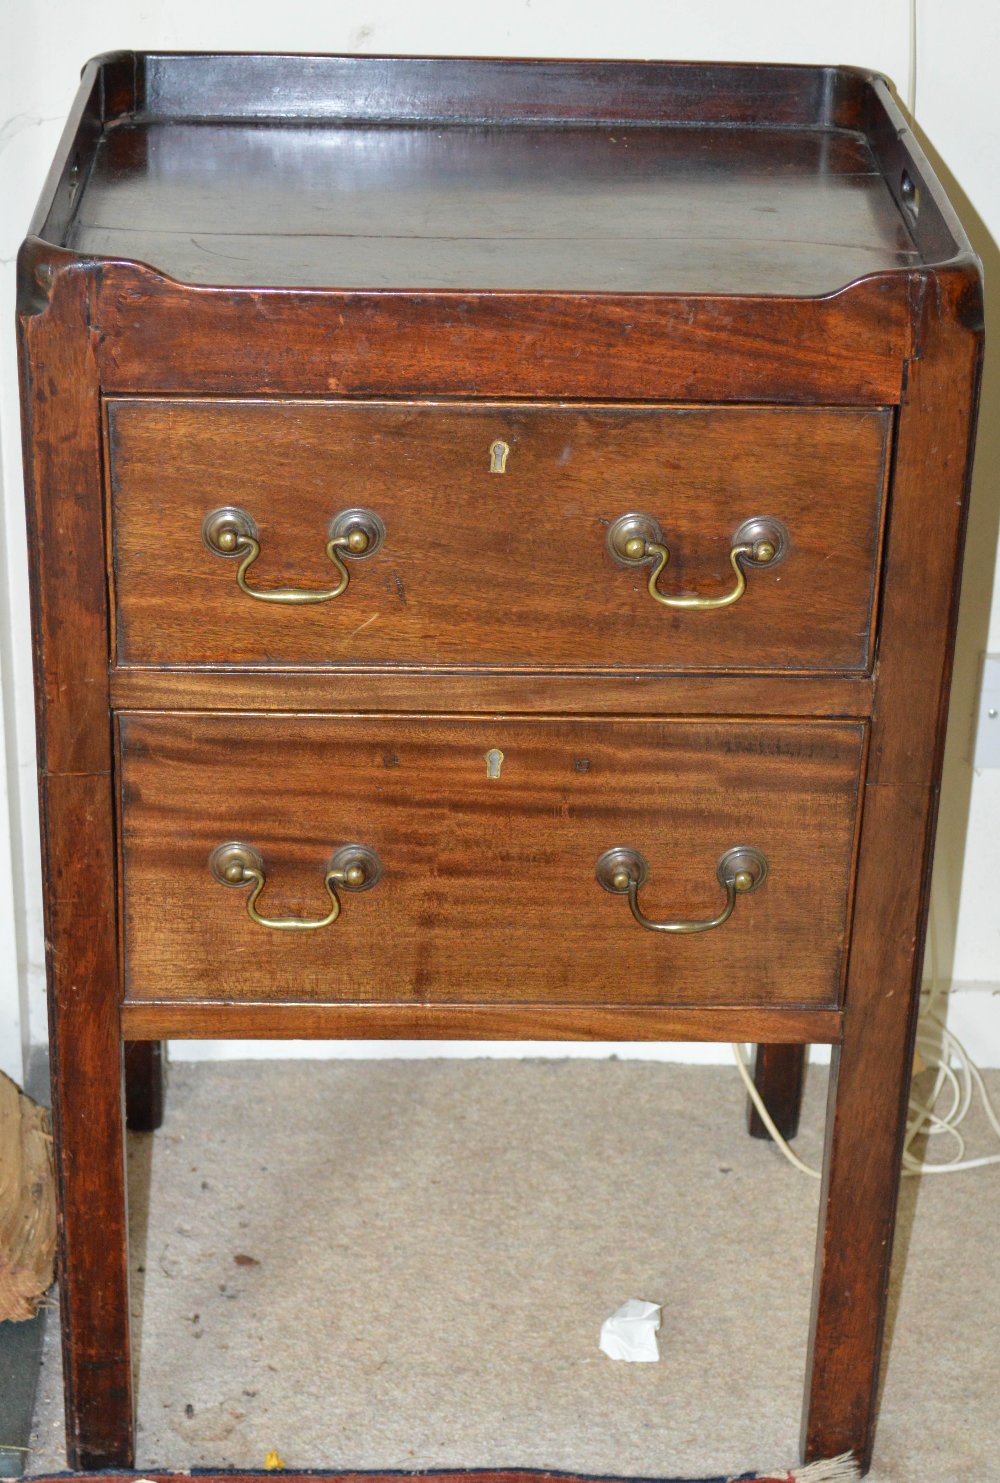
(296, 1021)
(871, 1070)
(484, 90)
(778, 1074)
(361, 689)
(76, 796)
(145, 1085)
(847, 348)
(299, 284)
(620, 208)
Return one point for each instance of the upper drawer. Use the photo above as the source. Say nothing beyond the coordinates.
(496, 524)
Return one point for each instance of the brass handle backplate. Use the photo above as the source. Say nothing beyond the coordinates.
(635, 539)
(230, 531)
(354, 867)
(622, 871)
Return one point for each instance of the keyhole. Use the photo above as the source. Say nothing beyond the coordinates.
(494, 762)
(499, 453)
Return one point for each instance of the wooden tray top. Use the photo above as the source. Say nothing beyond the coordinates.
(439, 173)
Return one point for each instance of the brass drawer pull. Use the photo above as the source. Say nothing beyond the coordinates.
(622, 871)
(230, 531)
(354, 868)
(635, 539)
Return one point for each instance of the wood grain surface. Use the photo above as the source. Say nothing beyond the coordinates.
(495, 569)
(197, 1018)
(479, 90)
(421, 687)
(489, 892)
(154, 335)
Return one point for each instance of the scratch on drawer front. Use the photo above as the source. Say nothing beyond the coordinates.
(355, 631)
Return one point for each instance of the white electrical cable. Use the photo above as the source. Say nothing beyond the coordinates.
(739, 1051)
(943, 1053)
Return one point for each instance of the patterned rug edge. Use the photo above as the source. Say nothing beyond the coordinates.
(842, 1469)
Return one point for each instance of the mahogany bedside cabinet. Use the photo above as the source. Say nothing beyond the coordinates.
(495, 531)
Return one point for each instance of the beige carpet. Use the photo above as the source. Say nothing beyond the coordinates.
(406, 1264)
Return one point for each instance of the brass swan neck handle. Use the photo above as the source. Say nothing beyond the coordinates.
(740, 870)
(230, 531)
(354, 867)
(635, 539)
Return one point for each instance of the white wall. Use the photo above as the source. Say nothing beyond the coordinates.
(42, 46)
(956, 110)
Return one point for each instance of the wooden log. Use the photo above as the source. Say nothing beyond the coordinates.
(27, 1204)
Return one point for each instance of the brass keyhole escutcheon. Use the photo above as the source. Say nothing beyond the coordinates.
(494, 762)
(499, 454)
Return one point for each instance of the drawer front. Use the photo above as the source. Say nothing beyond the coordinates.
(488, 892)
(496, 523)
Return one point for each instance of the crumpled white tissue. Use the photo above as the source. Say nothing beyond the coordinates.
(630, 1332)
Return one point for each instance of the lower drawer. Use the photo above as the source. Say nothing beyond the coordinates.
(485, 837)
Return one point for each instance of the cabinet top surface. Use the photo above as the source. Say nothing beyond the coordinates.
(401, 173)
